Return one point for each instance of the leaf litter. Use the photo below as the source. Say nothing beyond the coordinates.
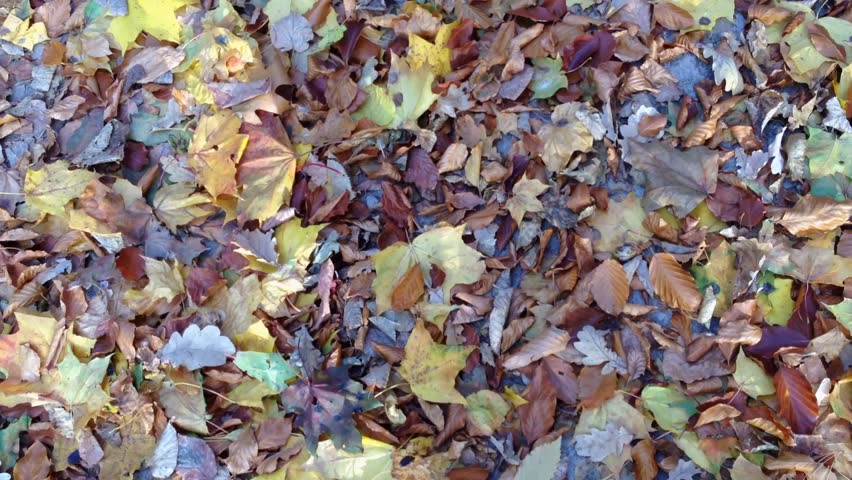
(383, 239)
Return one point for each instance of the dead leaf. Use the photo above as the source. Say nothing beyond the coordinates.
(673, 284)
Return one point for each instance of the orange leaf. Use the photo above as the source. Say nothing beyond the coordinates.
(409, 289)
(816, 215)
(643, 460)
(797, 400)
(609, 287)
(673, 284)
(716, 413)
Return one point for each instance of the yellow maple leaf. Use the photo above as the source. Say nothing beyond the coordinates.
(442, 247)
(431, 368)
(215, 150)
(436, 55)
(178, 204)
(50, 188)
(156, 17)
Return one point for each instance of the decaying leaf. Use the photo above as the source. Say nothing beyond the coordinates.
(431, 368)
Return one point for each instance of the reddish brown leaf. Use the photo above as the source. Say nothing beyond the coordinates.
(539, 415)
(421, 171)
(594, 387)
(35, 464)
(797, 400)
(732, 204)
(824, 43)
(644, 463)
(562, 378)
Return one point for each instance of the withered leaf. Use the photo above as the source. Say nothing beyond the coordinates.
(673, 284)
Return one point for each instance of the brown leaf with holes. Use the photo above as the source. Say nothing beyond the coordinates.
(673, 284)
(797, 400)
(609, 286)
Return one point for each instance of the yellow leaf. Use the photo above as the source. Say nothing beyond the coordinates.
(295, 242)
(706, 12)
(156, 17)
(178, 204)
(255, 339)
(524, 199)
(431, 368)
(250, 393)
(266, 172)
(621, 223)
(215, 150)
(50, 188)
(436, 55)
(164, 279)
(442, 247)
(414, 88)
(20, 32)
(563, 138)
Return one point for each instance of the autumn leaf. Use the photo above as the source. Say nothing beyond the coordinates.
(215, 150)
(751, 377)
(266, 171)
(609, 286)
(816, 215)
(50, 188)
(524, 199)
(197, 348)
(671, 408)
(154, 17)
(797, 400)
(431, 368)
(409, 289)
(681, 179)
(673, 284)
(442, 247)
(599, 444)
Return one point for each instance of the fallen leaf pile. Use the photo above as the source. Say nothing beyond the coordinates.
(465, 239)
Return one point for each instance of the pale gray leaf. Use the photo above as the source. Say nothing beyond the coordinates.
(592, 344)
(292, 32)
(599, 444)
(164, 460)
(197, 348)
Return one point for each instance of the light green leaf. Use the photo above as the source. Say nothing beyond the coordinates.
(267, 367)
(843, 312)
(752, 378)
(296, 243)
(670, 407)
(548, 77)
(80, 383)
(541, 463)
(825, 153)
(374, 463)
(413, 88)
(777, 304)
(486, 410)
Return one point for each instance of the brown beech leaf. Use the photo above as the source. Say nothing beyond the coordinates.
(609, 286)
(651, 125)
(717, 413)
(546, 343)
(797, 400)
(408, 291)
(595, 388)
(644, 463)
(824, 43)
(672, 17)
(539, 414)
(816, 215)
(453, 158)
(562, 378)
(673, 284)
